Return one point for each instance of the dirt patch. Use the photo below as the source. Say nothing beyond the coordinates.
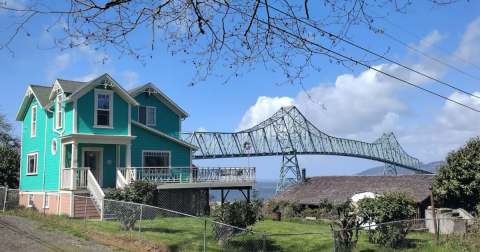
(126, 242)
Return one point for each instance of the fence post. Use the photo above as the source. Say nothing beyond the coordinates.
(334, 242)
(85, 217)
(205, 237)
(5, 198)
(140, 229)
(264, 242)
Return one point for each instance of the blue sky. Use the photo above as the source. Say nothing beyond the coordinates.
(361, 105)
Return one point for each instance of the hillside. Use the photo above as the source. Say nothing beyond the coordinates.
(431, 167)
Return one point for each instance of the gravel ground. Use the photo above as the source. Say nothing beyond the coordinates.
(22, 234)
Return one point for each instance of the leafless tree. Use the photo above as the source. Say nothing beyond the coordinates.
(236, 35)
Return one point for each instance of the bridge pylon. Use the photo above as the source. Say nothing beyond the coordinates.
(289, 172)
(389, 169)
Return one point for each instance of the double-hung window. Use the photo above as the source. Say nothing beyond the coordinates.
(146, 115)
(33, 124)
(32, 159)
(103, 108)
(156, 158)
(58, 112)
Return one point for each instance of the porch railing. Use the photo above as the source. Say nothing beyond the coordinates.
(189, 174)
(74, 178)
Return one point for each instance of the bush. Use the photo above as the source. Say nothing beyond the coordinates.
(139, 191)
(240, 214)
(287, 208)
(388, 207)
(343, 215)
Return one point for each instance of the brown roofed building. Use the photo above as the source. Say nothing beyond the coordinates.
(341, 188)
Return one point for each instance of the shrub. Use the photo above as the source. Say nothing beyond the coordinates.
(388, 207)
(343, 215)
(239, 213)
(139, 191)
(287, 208)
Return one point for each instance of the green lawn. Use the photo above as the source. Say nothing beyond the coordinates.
(187, 234)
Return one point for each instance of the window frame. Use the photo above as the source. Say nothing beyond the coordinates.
(33, 153)
(28, 200)
(157, 151)
(54, 152)
(46, 199)
(146, 115)
(110, 108)
(33, 120)
(59, 110)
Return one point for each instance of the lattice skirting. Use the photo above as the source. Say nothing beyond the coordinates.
(193, 201)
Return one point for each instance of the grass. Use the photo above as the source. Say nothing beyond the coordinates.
(187, 234)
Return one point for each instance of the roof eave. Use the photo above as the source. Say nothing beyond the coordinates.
(160, 95)
(21, 110)
(177, 140)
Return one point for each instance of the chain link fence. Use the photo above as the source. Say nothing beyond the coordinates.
(179, 230)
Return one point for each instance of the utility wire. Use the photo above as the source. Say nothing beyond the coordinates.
(376, 54)
(343, 56)
(424, 39)
(426, 55)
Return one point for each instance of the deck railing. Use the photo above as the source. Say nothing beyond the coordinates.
(189, 174)
(74, 178)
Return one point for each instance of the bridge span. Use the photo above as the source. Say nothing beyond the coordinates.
(288, 133)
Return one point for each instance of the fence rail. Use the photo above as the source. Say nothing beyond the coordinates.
(206, 234)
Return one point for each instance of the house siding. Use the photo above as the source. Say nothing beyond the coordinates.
(109, 171)
(52, 168)
(86, 113)
(37, 143)
(167, 121)
(68, 118)
(146, 140)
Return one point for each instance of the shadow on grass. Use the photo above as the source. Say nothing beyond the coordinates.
(158, 230)
(253, 245)
(406, 244)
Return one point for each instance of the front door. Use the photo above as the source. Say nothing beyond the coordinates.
(92, 160)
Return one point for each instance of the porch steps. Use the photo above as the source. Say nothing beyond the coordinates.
(91, 210)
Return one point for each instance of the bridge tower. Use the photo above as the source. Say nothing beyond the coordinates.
(289, 172)
(389, 169)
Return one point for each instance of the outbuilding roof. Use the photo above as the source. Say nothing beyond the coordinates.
(341, 188)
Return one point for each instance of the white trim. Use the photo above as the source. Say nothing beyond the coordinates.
(146, 115)
(129, 119)
(72, 204)
(21, 159)
(22, 107)
(44, 152)
(61, 164)
(163, 98)
(158, 151)
(33, 133)
(100, 161)
(56, 86)
(92, 138)
(98, 82)
(28, 163)
(59, 110)
(174, 139)
(74, 123)
(54, 152)
(28, 200)
(110, 107)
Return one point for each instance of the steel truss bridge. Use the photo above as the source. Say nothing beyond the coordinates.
(288, 133)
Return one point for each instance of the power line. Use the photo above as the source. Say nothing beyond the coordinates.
(376, 54)
(345, 57)
(424, 40)
(426, 55)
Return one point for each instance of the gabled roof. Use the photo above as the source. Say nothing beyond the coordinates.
(40, 93)
(341, 188)
(81, 89)
(167, 136)
(67, 86)
(161, 96)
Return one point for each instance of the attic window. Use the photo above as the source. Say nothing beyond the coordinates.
(103, 108)
(146, 115)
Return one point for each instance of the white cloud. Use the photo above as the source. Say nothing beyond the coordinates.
(263, 109)
(432, 38)
(130, 79)
(468, 48)
(59, 63)
(201, 129)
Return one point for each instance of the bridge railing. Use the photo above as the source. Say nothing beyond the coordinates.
(190, 174)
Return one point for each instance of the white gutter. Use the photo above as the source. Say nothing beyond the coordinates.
(44, 154)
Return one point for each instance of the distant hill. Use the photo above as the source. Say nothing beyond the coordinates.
(431, 167)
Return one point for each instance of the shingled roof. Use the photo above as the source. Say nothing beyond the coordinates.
(341, 188)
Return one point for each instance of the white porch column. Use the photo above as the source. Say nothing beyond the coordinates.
(128, 163)
(73, 173)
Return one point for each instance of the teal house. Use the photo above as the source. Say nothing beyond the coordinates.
(80, 138)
